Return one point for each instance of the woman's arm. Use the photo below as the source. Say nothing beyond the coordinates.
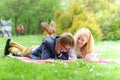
(91, 57)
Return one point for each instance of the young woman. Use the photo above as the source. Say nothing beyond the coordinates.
(84, 45)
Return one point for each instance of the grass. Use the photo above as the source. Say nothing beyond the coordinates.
(108, 49)
(13, 69)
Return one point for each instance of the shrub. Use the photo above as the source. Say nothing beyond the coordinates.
(76, 17)
(112, 32)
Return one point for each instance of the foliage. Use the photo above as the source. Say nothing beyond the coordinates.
(110, 23)
(76, 17)
(30, 13)
(107, 16)
(100, 16)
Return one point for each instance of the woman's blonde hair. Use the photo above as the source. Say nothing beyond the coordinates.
(89, 46)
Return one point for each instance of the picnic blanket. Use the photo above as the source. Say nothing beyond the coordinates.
(27, 59)
(100, 60)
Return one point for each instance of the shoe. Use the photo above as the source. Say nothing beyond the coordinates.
(17, 55)
(7, 46)
(46, 28)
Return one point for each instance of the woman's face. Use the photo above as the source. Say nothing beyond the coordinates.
(81, 41)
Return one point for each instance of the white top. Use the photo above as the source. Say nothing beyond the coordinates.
(89, 57)
(72, 55)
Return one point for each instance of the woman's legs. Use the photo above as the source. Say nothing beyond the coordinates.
(53, 27)
(46, 28)
(50, 29)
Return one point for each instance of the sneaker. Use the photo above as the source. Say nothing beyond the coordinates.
(7, 46)
(17, 55)
(46, 28)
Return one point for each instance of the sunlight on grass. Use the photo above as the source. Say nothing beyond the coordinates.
(108, 49)
(14, 69)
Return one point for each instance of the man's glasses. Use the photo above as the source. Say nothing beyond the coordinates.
(66, 48)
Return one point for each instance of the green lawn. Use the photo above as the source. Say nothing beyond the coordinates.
(13, 69)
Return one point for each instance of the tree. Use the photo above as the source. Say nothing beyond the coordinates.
(30, 13)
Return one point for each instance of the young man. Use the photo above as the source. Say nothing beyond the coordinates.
(53, 47)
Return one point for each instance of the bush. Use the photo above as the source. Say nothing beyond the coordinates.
(76, 17)
(112, 32)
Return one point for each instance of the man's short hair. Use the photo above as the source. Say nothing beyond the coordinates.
(67, 39)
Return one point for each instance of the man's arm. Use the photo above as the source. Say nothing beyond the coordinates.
(63, 56)
(46, 53)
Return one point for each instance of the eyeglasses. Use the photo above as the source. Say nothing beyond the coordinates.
(66, 47)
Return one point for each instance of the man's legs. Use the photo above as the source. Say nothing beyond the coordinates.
(13, 47)
(20, 49)
(17, 45)
(27, 52)
(17, 49)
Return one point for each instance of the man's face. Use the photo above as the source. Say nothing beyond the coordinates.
(65, 48)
